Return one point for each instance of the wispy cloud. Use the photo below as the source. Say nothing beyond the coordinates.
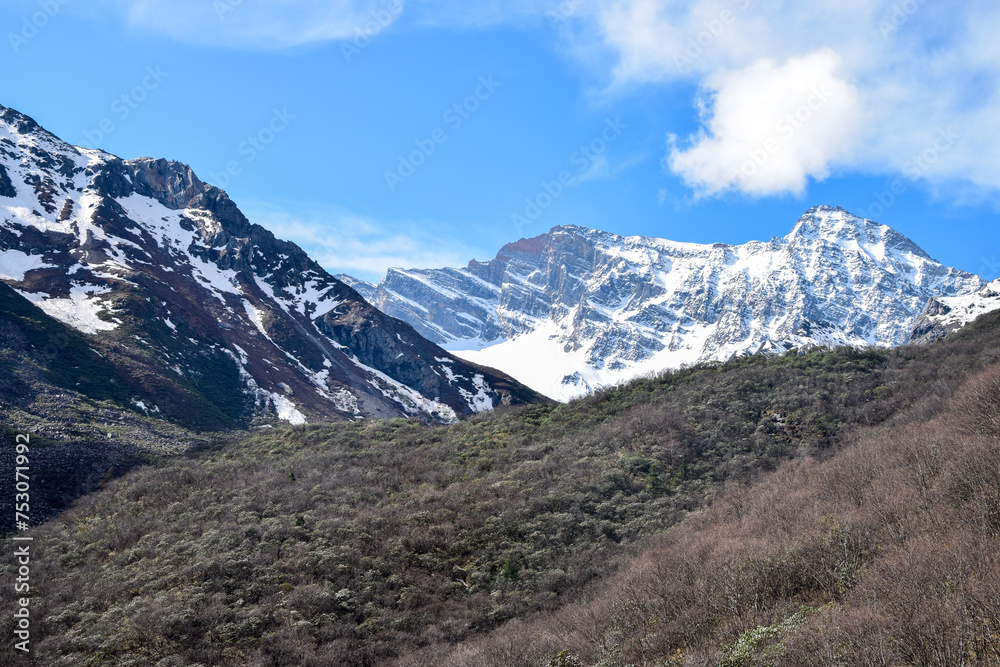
(345, 242)
(602, 168)
(484, 13)
(259, 24)
(271, 25)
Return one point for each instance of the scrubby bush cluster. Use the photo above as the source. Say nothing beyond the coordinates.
(886, 553)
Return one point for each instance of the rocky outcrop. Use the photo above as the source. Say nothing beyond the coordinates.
(6, 187)
(171, 183)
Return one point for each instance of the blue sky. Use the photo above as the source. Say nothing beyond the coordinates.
(335, 124)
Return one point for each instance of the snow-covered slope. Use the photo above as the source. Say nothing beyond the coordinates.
(208, 310)
(576, 309)
(944, 315)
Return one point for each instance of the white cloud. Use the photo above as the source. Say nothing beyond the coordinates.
(260, 24)
(655, 40)
(769, 127)
(906, 72)
(345, 242)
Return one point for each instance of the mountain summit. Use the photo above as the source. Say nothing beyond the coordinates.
(575, 309)
(214, 319)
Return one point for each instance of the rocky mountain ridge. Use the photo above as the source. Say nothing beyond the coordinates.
(575, 309)
(216, 320)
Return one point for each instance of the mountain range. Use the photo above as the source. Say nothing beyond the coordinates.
(204, 318)
(577, 309)
(199, 316)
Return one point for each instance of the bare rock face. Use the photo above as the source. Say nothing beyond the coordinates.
(601, 308)
(215, 320)
(6, 187)
(172, 184)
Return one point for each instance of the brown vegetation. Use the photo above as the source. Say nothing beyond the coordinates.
(357, 544)
(887, 553)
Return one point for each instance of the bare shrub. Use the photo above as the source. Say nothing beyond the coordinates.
(977, 404)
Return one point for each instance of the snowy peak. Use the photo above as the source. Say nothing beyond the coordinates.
(219, 317)
(17, 123)
(833, 223)
(837, 225)
(575, 309)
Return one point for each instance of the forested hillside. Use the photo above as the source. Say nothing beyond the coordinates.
(886, 553)
(359, 543)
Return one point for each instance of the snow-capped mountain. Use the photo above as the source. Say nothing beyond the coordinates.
(946, 314)
(214, 318)
(575, 309)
